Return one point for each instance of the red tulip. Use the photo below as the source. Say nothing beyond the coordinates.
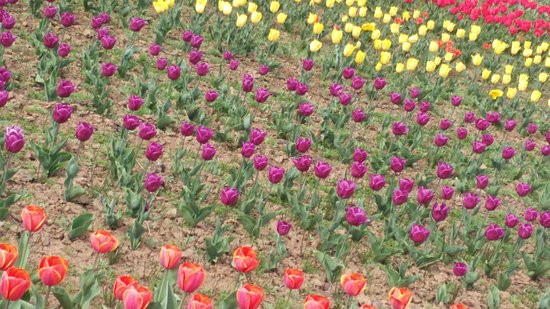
(170, 256)
(14, 283)
(353, 284)
(293, 278)
(200, 301)
(190, 277)
(33, 217)
(52, 270)
(400, 298)
(8, 255)
(459, 306)
(367, 307)
(121, 284)
(245, 259)
(103, 241)
(249, 296)
(313, 301)
(136, 297)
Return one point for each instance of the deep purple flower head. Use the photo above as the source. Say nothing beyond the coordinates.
(493, 117)
(301, 89)
(494, 232)
(257, 136)
(306, 109)
(84, 131)
(406, 184)
(210, 95)
(154, 49)
(108, 41)
(444, 124)
(510, 125)
(422, 118)
(397, 164)
(283, 227)
(358, 169)
(356, 216)
(545, 219)
(4, 97)
(456, 100)
(478, 147)
(173, 71)
(302, 163)
(50, 11)
(545, 150)
(292, 83)
(395, 98)
(50, 40)
(227, 55)
(196, 41)
(261, 95)
(424, 196)
(460, 269)
(444, 170)
(161, 64)
(345, 98)
(153, 182)
(302, 144)
(64, 50)
(247, 149)
(482, 124)
(529, 145)
(62, 112)
(202, 68)
(345, 188)
(307, 64)
(508, 153)
(511, 220)
(418, 233)
(414, 92)
(425, 106)
(530, 214)
(147, 131)
(260, 162)
(134, 102)
(482, 181)
(348, 72)
(379, 83)
(67, 19)
(8, 21)
(409, 105)
(399, 128)
(532, 128)
(248, 83)
(360, 154)
(229, 196)
(461, 133)
(358, 115)
(195, 56)
(439, 212)
(322, 169)
(523, 188)
(108, 69)
(14, 140)
(336, 89)
(263, 69)
(233, 64)
(187, 35)
(440, 140)
(487, 139)
(469, 117)
(187, 129)
(492, 202)
(447, 192)
(377, 182)
(203, 134)
(470, 200)
(275, 174)
(357, 82)
(525, 230)
(208, 152)
(130, 122)
(101, 32)
(153, 151)
(136, 24)
(400, 197)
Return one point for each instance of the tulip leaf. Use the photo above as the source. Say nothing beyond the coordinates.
(63, 298)
(229, 302)
(89, 289)
(493, 300)
(80, 225)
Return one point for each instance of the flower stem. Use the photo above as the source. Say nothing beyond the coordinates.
(47, 296)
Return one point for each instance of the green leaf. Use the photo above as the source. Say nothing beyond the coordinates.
(230, 302)
(63, 298)
(80, 225)
(493, 301)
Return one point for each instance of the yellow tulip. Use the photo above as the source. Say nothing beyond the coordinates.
(238, 3)
(161, 6)
(378, 13)
(413, 38)
(356, 32)
(437, 60)
(430, 66)
(252, 7)
(399, 67)
(460, 33)
(377, 44)
(362, 3)
(477, 59)
(508, 69)
(394, 28)
(511, 92)
(281, 18)
(386, 44)
(255, 17)
(416, 14)
(226, 8)
(506, 79)
(378, 67)
(422, 30)
(360, 57)
(318, 28)
(329, 3)
(537, 59)
(475, 29)
(445, 37)
(315, 45)
(444, 70)
(522, 85)
(528, 62)
(412, 63)
(535, 96)
(274, 6)
(352, 11)
(450, 27)
(472, 37)
(543, 77)
(430, 25)
(349, 2)
(363, 11)
(393, 11)
(448, 57)
(485, 74)
(433, 46)
(311, 18)
(500, 47)
(402, 38)
(386, 19)
(406, 46)
(273, 35)
(345, 18)
(336, 36)
(527, 52)
(523, 76)
(495, 93)
(200, 5)
(406, 16)
(385, 57)
(348, 49)
(495, 78)
(544, 46)
(368, 26)
(241, 20)
(348, 27)
(527, 44)
(446, 23)
(460, 66)
(516, 46)
(375, 34)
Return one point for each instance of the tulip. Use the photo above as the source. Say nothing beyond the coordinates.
(202, 68)
(456, 100)
(353, 284)
(121, 284)
(261, 95)
(155, 49)
(136, 297)
(511, 220)
(460, 269)
(545, 150)
(52, 270)
(345, 98)
(356, 216)
(397, 164)
(108, 41)
(470, 200)
(444, 170)
(478, 147)
(365, 306)
(522, 189)
(399, 128)
(14, 284)
(358, 115)
(418, 233)
(63, 50)
(494, 232)
(302, 163)
(108, 69)
(525, 230)
(147, 131)
(233, 64)
(260, 162)
(134, 102)
(170, 256)
(283, 227)
(508, 153)
(273, 35)
(33, 218)
(249, 297)
(461, 133)
(195, 56)
(529, 146)
(359, 155)
(257, 136)
(302, 144)
(440, 212)
(377, 182)
(532, 128)
(357, 82)
(136, 24)
(173, 72)
(229, 196)
(314, 301)
(103, 241)
(61, 113)
(293, 278)
(379, 83)
(50, 40)
(65, 88)
(482, 181)
(190, 277)
(208, 152)
(345, 188)
(469, 117)
(247, 149)
(440, 140)
(487, 139)
(358, 170)
(49, 11)
(307, 64)
(336, 89)
(406, 184)
(458, 306)
(200, 301)
(531, 214)
(409, 105)
(275, 174)
(14, 140)
(203, 134)
(8, 256)
(248, 83)
(400, 197)
(545, 219)
(196, 41)
(400, 298)
(187, 129)
(130, 122)
(245, 259)
(424, 195)
(67, 19)
(153, 182)
(395, 98)
(322, 169)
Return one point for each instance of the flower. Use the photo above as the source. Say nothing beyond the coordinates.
(208, 152)
(314, 301)
(14, 140)
(359, 155)
(283, 227)
(400, 197)
(400, 298)
(418, 233)
(8, 256)
(136, 24)
(460, 269)
(245, 259)
(511, 220)
(353, 284)
(470, 200)
(522, 189)
(322, 169)
(52, 270)
(49, 11)
(108, 69)
(173, 72)
(247, 149)
(121, 284)
(302, 163)
(440, 212)
(63, 50)
(229, 196)
(356, 216)
(249, 296)
(293, 278)
(190, 277)
(397, 164)
(260, 162)
(15, 283)
(494, 232)
(65, 88)
(153, 182)
(275, 174)
(530, 214)
(302, 144)
(170, 256)
(261, 95)
(161, 6)
(33, 218)
(345, 188)
(447, 192)
(525, 230)
(67, 19)
(358, 169)
(130, 122)
(155, 49)
(199, 301)
(187, 129)
(257, 136)
(107, 41)
(508, 153)
(545, 219)
(103, 241)
(406, 184)
(136, 297)
(444, 170)
(273, 35)
(134, 102)
(399, 128)
(50, 40)
(379, 83)
(377, 182)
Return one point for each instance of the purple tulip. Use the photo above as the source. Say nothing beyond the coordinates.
(257, 136)
(136, 24)
(154, 49)
(400, 197)
(14, 140)
(7, 38)
(307, 64)
(397, 164)
(406, 184)
(147, 131)
(196, 41)
(493, 117)
(439, 212)
(49, 11)
(547, 136)
(306, 109)
(187, 129)
(447, 192)
(444, 170)
(440, 140)
(301, 89)
(283, 227)
(357, 82)
(418, 233)
(356, 216)
(260, 162)
(414, 92)
(511, 220)
(302, 163)
(492, 202)
(482, 181)
(84, 131)
(522, 189)
(510, 125)
(545, 150)
(202, 68)
(233, 64)
(229, 196)
(525, 230)
(302, 144)
(461, 133)
(348, 72)
(545, 219)
(358, 170)
(360, 155)
(96, 21)
(336, 89)
(345, 98)
(208, 152)
(425, 106)
(275, 174)
(424, 196)
(5, 74)
(395, 98)
(532, 128)
(153, 182)
(101, 32)
(247, 149)
(482, 124)
(487, 139)
(108, 41)
(173, 71)
(4, 97)
(358, 115)
(227, 55)
(195, 56)
(187, 35)
(50, 40)
(469, 117)
(345, 188)
(108, 69)
(379, 83)
(8, 21)
(134, 102)
(292, 84)
(67, 19)
(263, 70)
(153, 151)
(62, 112)
(422, 118)
(460, 269)
(399, 128)
(494, 232)
(204, 134)
(261, 95)
(248, 83)
(529, 145)
(105, 17)
(130, 122)
(377, 182)
(444, 124)
(409, 105)
(161, 64)
(478, 147)
(322, 169)
(64, 50)
(211, 95)
(470, 200)
(456, 100)
(508, 153)
(530, 214)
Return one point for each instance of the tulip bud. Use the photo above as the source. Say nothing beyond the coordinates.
(418, 233)
(14, 284)
(345, 188)
(229, 196)
(103, 241)
(190, 277)
(460, 269)
(153, 182)
(275, 174)
(283, 227)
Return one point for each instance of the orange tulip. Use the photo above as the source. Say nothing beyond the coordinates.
(249, 296)
(8, 256)
(245, 259)
(400, 298)
(313, 301)
(459, 306)
(14, 283)
(52, 269)
(170, 256)
(293, 278)
(121, 284)
(33, 217)
(200, 301)
(103, 241)
(353, 284)
(190, 277)
(367, 307)
(136, 297)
